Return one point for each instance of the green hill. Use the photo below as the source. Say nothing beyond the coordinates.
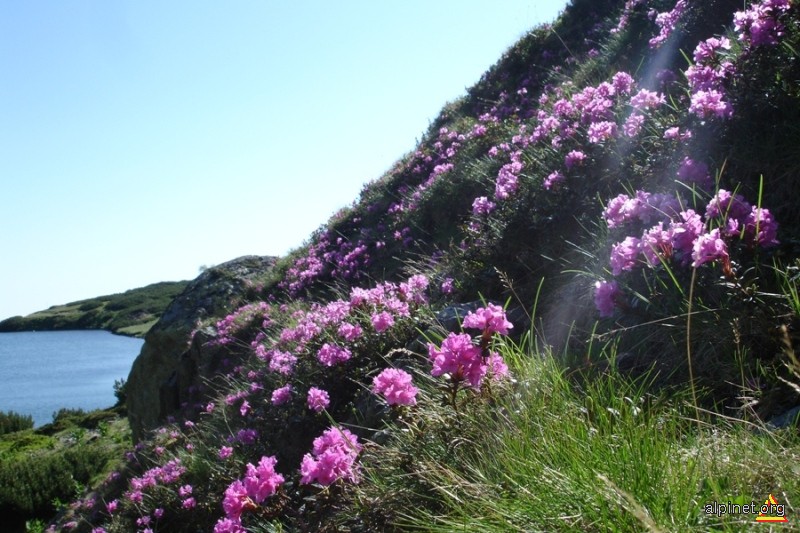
(131, 312)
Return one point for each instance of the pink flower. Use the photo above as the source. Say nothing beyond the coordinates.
(656, 244)
(235, 500)
(727, 205)
(482, 206)
(707, 103)
(604, 294)
(633, 125)
(262, 481)
(282, 362)
(189, 503)
(684, 233)
(334, 457)
(226, 525)
(185, 491)
(349, 332)
(623, 82)
(692, 171)
(382, 321)
(396, 386)
(574, 158)
(447, 286)
(282, 395)
(709, 247)
(318, 399)
(497, 367)
(554, 178)
(225, 452)
(601, 131)
(624, 255)
(645, 99)
(490, 319)
(761, 228)
(330, 354)
(459, 358)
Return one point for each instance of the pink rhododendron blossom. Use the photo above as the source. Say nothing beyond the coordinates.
(645, 99)
(395, 386)
(482, 206)
(188, 503)
(282, 362)
(692, 171)
(624, 255)
(491, 319)
(334, 457)
(382, 321)
(727, 205)
(633, 125)
(261, 481)
(604, 294)
(282, 395)
(236, 500)
(227, 525)
(447, 286)
(225, 452)
(760, 228)
(574, 158)
(317, 399)
(656, 244)
(707, 49)
(349, 332)
(330, 354)
(553, 179)
(708, 103)
(709, 247)
(623, 82)
(601, 131)
(497, 367)
(459, 358)
(684, 233)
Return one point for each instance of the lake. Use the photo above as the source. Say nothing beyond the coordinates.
(43, 371)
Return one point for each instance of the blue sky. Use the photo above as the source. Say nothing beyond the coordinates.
(140, 140)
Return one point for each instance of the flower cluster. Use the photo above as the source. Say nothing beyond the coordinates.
(259, 483)
(465, 361)
(667, 22)
(334, 457)
(759, 25)
(683, 236)
(395, 386)
(240, 319)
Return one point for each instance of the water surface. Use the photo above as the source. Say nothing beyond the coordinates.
(43, 371)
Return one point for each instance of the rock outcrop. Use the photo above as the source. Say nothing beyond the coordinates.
(171, 367)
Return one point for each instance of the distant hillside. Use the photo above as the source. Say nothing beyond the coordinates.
(132, 312)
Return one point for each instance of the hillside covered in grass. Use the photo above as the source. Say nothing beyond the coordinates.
(131, 312)
(574, 306)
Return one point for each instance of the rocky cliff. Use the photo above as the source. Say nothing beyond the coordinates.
(170, 368)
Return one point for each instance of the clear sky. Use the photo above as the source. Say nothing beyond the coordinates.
(140, 140)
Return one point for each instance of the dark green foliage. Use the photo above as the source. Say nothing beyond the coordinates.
(113, 312)
(11, 422)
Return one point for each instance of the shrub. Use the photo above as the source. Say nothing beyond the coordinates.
(11, 422)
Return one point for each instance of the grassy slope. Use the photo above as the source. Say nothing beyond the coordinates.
(131, 313)
(585, 437)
